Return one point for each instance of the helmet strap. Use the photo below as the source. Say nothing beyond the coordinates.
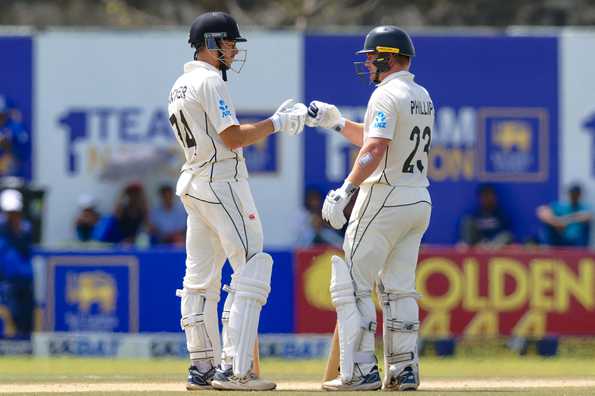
(222, 66)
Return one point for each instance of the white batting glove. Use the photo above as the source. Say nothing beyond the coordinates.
(334, 204)
(325, 115)
(290, 117)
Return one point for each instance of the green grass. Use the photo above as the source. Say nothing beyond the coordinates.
(70, 370)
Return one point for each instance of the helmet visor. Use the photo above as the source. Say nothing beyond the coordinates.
(361, 69)
(238, 61)
(223, 48)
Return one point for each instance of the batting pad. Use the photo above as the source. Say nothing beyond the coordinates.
(401, 326)
(199, 322)
(251, 289)
(350, 319)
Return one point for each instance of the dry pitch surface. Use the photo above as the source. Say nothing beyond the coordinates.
(449, 377)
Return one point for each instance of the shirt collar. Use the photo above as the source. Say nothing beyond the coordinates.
(404, 75)
(193, 65)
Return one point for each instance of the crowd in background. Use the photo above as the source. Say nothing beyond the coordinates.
(566, 222)
(133, 221)
(14, 140)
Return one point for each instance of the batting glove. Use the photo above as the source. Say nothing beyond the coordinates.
(325, 115)
(290, 117)
(334, 204)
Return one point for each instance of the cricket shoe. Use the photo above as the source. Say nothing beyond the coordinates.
(370, 381)
(198, 380)
(225, 380)
(407, 379)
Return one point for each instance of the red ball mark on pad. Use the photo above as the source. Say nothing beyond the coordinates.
(252, 216)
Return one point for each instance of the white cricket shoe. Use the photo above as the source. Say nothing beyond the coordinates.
(370, 381)
(225, 380)
(407, 379)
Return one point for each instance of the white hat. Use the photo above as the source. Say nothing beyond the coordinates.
(11, 201)
(87, 201)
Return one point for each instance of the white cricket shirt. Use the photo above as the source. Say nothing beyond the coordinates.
(402, 111)
(200, 108)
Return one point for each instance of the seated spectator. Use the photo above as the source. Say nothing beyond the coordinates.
(565, 223)
(318, 233)
(128, 219)
(168, 219)
(312, 230)
(14, 141)
(87, 218)
(486, 226)
(15, 260)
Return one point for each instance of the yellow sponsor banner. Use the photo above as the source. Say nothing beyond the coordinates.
(481, 293)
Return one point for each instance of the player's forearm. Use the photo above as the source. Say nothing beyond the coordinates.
(354, 132)
(367, 161)
(246, 134)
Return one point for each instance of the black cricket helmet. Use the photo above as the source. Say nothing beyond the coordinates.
(384, 40)
(208, 29)
(389, 39)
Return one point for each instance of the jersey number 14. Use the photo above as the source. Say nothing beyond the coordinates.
(188, 139)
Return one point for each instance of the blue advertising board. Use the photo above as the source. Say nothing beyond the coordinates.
(496, 100)
(135, 291)
(16, 82)
(261, 157)
(92, 293)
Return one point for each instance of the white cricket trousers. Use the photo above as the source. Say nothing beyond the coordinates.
(383, 236)
(222, 223)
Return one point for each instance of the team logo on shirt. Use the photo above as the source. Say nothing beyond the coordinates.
(225, 112)
(380, 120)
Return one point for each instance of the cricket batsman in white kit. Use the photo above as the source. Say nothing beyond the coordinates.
(222, 219)
(390, 216)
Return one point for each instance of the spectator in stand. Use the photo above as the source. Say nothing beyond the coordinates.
(87, 218)
(168, 219)
(15, 260)
(487, 226)
(14, 141)
(312, 230)
(128, 220)
(565, 223)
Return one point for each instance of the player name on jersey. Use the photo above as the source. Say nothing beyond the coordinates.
(178, 93)
(421, 107)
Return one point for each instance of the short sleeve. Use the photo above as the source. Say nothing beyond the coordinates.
(383, 111)
(217, 103)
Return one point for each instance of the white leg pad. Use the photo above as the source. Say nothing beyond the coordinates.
(200, 323)
(401, 327)
(251, 287)
(366, 357)
(228, 349)
(349, 318)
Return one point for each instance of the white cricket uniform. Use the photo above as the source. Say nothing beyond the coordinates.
(390, 216)
(392, 210)
(222, 218)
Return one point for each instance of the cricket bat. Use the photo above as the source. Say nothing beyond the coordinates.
(332, 365)
(256, 359)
